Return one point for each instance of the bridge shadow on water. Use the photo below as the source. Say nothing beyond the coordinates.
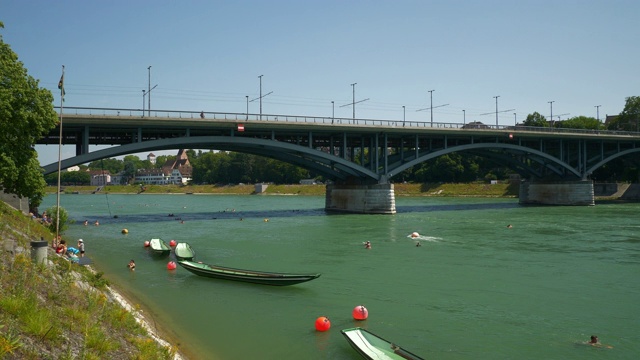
(267, 214)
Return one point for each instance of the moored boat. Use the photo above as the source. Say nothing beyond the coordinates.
(184, 251)
(256, 277)
(159, 247)
(372, 346)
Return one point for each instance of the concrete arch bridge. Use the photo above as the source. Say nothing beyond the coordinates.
(360, 156)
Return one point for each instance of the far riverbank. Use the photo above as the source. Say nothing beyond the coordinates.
(402, 189)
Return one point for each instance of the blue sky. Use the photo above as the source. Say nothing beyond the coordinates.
(207, 55)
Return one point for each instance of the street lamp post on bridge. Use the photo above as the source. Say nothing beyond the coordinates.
(404, 117)
(598, 112)
(551, 105)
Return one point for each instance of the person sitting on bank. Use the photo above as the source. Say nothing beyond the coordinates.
(62, 247)
(132, 265)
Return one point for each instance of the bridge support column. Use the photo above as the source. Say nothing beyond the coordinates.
(557, 193)
(361, 199)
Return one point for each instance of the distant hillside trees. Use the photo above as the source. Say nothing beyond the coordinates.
(232, 168)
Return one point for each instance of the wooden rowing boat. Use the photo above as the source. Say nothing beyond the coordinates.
(184, 251)
(256, 277)
(371, 346)
(159, 247)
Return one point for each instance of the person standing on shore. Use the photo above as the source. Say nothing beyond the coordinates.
(81, 247)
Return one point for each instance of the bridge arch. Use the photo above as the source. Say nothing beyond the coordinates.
(325, 164)
(529, 153)
(611, 158)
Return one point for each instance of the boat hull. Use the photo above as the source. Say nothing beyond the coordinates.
(184, 251)
(372, 346)
(256, 277)
(159, 247)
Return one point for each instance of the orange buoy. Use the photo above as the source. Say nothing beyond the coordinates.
(171, 265)
(125, 231)
(147, 243)
(360, 312)
(172, 243)
(323, 323)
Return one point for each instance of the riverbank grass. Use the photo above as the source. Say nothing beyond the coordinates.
(60, 310)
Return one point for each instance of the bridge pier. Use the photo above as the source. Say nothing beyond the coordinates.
(361, 199)
(557, 193)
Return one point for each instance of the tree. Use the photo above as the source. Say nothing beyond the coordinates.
(129, 171)
(536, 119)
(629, 118)
(112, 165)
(580, 122)
(64, 219)
(26, 115)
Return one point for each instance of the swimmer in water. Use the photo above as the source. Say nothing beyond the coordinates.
(594, 341)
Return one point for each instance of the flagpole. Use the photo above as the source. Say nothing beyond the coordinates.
(61, 86)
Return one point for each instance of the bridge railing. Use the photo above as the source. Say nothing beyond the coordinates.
(240, 117)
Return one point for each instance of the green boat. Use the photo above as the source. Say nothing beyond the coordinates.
(159, 247)
(256, 277)
(184, 251)
(371, 346)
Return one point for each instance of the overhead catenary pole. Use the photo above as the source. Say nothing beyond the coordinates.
(431, 106)
(261, 96)
(354, 102)
(353, 86)
(551, 115)
(247, 97)
(464, 117)
(149, 91)
(260, 77)
(496, 97)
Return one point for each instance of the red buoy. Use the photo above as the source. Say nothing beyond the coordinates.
(147, 243)
(171, 265)
(323, 323)
(360, 313)
(172, 243)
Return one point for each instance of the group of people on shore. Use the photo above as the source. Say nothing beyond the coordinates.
(73, 253)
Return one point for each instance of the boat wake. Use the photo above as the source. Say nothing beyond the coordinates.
(424, 238)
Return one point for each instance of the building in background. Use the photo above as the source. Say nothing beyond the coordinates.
(176, 172)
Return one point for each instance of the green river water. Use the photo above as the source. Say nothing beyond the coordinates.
(475, 289)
